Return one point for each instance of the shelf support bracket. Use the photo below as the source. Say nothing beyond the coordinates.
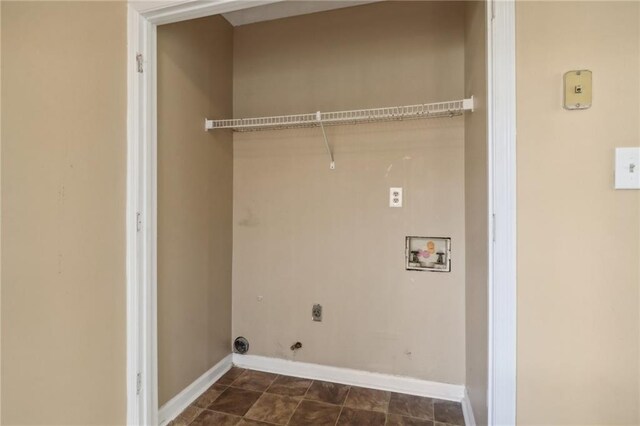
(468, 104)
(332, 165)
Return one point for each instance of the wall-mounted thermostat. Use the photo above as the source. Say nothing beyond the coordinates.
(577, 89)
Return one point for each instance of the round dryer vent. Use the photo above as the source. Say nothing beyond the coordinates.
(241, 345)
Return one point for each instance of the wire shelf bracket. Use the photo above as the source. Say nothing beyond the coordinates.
(322, 119)
(332, 164)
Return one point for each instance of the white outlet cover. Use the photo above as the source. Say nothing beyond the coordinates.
(627, 168)
(395, 197)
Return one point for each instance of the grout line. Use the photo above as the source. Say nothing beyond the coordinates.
(271, 384)
(344, 401)
(342, 406)
(302, 399)
(386, 410)
(262, 393)
(235, 415)
(300, 402)
(244, 417)
(339, 414)
(294, 411)
(245, 389)
(190, 421)
(234, 380)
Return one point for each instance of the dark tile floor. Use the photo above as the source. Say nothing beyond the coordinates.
(247, 397)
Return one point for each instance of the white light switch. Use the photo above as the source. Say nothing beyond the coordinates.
(395, 197)
(628, 168)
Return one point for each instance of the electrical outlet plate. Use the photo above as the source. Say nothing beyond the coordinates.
(316, 312)
(395, 197)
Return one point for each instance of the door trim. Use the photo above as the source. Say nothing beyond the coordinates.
(502, 314)
(143, 19)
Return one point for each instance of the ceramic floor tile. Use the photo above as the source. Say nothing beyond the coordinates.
(212, 418)
(271, 408)
(187, 416)
(332, 393)
(253, 398)
(249, 422)
(235, 401)
(411, 406)
(230, 376)
(254, 380)
(315, 413)
(209, 396)
(448, 412)
(353, 417)
(367, 399)
(290, 386)
(398, 420)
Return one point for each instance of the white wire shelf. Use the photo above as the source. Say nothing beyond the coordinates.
(409, 112)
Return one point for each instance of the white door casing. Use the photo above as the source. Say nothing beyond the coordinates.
(141, 379)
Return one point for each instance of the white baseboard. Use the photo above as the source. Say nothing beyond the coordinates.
(348, 376)
(467, 410)
(178, 403)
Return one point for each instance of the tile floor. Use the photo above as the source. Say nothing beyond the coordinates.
(247, 397)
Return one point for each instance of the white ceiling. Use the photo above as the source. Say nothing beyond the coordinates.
(287, 8)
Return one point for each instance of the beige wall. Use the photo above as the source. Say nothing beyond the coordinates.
(340, 60)
(305, 234)
(578, 238)
(476, 209)
(195, 178)
(63, 221)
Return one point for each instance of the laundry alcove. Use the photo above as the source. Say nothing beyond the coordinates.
(255, 226)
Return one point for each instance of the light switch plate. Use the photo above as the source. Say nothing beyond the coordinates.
(395, 197)
(628, 168)
(577, 89)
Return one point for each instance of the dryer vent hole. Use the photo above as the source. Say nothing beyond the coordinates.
(241, 345)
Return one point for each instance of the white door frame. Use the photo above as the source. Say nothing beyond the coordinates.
(142, 368)
(502, 315)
